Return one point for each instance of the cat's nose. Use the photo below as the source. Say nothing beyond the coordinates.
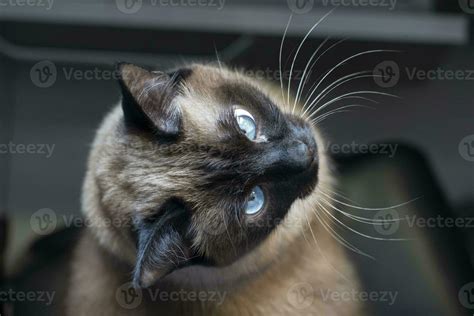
(300, 154)
(291, 156)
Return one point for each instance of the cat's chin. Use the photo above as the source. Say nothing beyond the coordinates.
(202, 274)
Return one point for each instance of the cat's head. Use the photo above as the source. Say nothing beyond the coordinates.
(203, 163)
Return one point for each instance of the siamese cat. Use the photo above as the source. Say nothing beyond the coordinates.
(201, 195)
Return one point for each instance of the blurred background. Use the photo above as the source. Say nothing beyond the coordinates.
(57, 81)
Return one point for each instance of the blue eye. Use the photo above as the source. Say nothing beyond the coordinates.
(246, 123)
(255, 202)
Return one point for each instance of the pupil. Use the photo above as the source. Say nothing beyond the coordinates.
(255, 201)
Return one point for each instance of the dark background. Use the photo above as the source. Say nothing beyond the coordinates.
(433, 116)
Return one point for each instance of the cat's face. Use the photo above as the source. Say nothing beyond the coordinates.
(213, 165)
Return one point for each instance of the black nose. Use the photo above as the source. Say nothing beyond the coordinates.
(300, 154)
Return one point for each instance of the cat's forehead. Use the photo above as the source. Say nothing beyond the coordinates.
(210, 90)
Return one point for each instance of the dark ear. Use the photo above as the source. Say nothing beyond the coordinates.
(147, 100)
(161, 246)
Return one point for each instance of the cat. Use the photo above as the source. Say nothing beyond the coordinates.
(202, 192)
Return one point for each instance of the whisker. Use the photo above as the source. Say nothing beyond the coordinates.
(217, 57)
(321, 252)
(348, 59)
(338, 237)
(335, 85)
(325, 116)
(370, 208)
(340, 98)
(354, 93)
(298, 50)
(341, 109)
(303, 79)
(314, 63)
(339, 193)
(331, 86)
(357, 232)
(279, 59)
(361, 219)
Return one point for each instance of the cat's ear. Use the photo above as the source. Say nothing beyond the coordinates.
(161, 245)
(147, 100)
